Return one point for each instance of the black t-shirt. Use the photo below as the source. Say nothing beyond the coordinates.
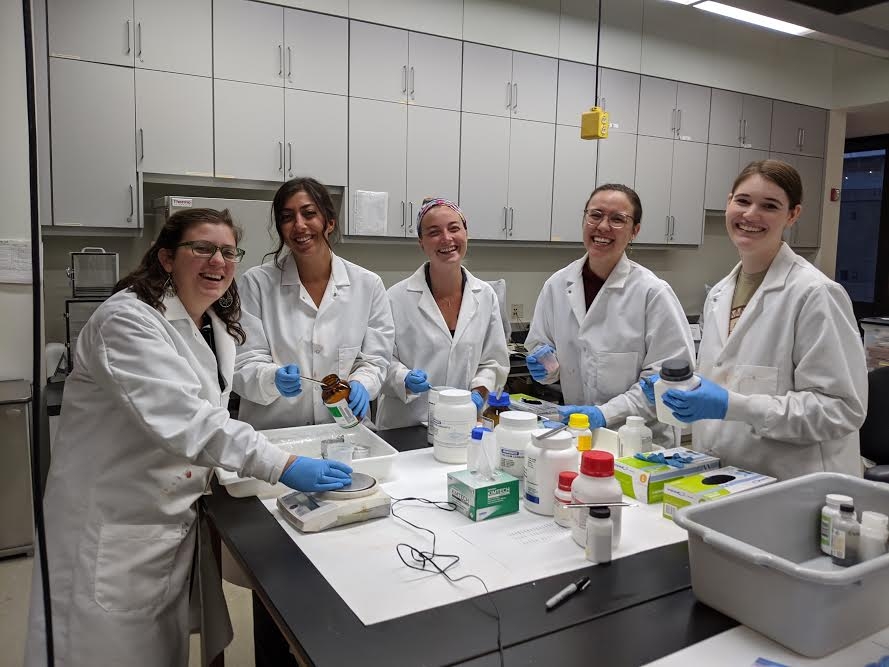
(591, 284)
(207, 333)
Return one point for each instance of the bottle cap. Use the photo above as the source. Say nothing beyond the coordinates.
(635, 421)
(676, 370)
(597, 463)
(869, 519)
(565, 479)
(478, 432)
(845, 507)
(837, 499)
(453, 396)
(600, 512)
(502, 402)
(548, 423)
(578, 420)
(526, 421)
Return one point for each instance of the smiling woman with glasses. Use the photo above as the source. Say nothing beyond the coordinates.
(603, 319)
(206, 249)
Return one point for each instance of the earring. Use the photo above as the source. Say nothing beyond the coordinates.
(226, 300)
(169, 286)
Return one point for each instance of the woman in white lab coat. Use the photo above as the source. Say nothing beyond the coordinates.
(784, 380)
(310, 313)
(448, 329)
(144, 420)
(607, 319)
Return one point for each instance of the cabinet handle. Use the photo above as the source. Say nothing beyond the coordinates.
(740, 131)
(678, 121)
(672, 226)
(281, 156)
(511, 220)
(141, 144)
(132, 205)
(290, 158)
(13, 412)
(404, 78)
(280, 60)
(667, 234)
(745, 132)
(139, 40)
(508, 95)
(799, 138)
(505, 214)
(289, 63)
(410, 217)
(802, 138)
(129, 48)
(402, 215)
(515, 96)
(412, 83)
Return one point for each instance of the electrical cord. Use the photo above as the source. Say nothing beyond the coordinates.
(417, 559)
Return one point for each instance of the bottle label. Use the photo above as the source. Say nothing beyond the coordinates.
(532, 492)
(342, 414)
(452, 432)
(512, 461)
(825, 532)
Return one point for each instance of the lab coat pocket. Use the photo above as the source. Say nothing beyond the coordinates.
(134, 565)
(616, 372)
(346, 360)
(748, 380)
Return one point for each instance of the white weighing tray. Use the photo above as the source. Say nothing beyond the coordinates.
(307, 441)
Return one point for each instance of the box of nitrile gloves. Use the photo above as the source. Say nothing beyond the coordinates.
(481, 499)
(710, 485)
(644, 480)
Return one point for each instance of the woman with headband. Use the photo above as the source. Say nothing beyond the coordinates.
(447, 324)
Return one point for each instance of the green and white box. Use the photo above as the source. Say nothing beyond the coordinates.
(710, 485)
(481, 499)
(644, 480)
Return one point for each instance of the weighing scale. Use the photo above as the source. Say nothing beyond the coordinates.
(363, 499)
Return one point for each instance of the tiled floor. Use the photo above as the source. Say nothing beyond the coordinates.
(15, 587)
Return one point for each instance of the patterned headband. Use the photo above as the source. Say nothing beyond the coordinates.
(432, 203)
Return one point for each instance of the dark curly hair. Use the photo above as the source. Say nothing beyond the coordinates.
(149, 278)
(319, 196)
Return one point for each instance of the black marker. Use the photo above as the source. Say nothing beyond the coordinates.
(567, 592)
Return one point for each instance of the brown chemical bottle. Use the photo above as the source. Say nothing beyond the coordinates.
(335, 394)
(496, 405)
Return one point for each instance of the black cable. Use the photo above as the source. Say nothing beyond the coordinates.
(598, 44)
(422, 558)
(37, 326)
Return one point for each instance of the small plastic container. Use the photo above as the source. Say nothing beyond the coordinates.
(513, 436)
(596, 484)
(635, 437)
(496, 407)
(874, 534)
(545, 458)
(675, 374)
(562, 494)
(579, 425)
(340, 451)
(599, 533)
(549, 361)
(432, 400)
(829, 512)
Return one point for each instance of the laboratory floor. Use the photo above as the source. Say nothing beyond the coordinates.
(15, 587)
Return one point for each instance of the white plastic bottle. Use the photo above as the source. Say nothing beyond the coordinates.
(562, 494)
(596, 484)
(635, 437)
(579, 425)
(432, 400)
(874, 533)
(545, 458)
(474, 450)
(513, 436)
(675, 374)
(455, 416)
(829, 512)
(599, 534)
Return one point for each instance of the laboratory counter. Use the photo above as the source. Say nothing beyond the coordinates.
(637, 609)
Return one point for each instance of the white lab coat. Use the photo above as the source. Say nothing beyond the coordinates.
(475, 356)
(794, 366)
(349, 334)
(634, 323)
(142, 426)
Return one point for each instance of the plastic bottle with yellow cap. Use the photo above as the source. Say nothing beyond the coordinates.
(579, 425)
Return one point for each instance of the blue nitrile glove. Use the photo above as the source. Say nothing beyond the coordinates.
(308, 474)
(359, 399)
(477, 399)
(597, 419)
(673, 460)
(647, 384)
(538, 372)
(706, 401)
(884, 662)
(416, 381)
(287, 380)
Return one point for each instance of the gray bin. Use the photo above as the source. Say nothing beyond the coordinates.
(756, 557)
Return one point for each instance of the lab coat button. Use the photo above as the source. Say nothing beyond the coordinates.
(317, 349)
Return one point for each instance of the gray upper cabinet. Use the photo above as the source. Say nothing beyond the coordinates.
(619, 96)
(798, 129)
(740, 120)
(441, 17)
(617, 160)
(248, 42)
(378, 62)
(484, 174)
(724, 163)
(806, 232)
(653, 172)
(577, 92)
(534, 82)
(673, 110)
(316, 126)
(93, 145)
(316, 52)
(531, 147)
(487, 80)
(174, 36)
(692, 112)
(433, 158)
(100, 31)
(573, 181)
(434, 71)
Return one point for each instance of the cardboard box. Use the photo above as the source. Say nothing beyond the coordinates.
(481, 499)
(710, 485)
(645, 481)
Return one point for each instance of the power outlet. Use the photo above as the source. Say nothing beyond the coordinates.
(517, 311)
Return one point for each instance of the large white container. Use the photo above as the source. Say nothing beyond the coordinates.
(595, 484)
(432, 400)
(635, 437)
(545, 458)
(455, 417)
(513, 437)
(675, 374)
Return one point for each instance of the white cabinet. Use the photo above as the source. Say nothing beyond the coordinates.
(316, 52)
(94, 30)
(619, 96)
(248, 42)
(617, 160)
(687, 192)
(439, 17)
(249, 126)
(316, 126)
(673, 110)
(798, 129)
(484, 174)
(577, 92)
(806, 232)
(93, 145)
(174, 123)
(724, 163)
(433, 158)
(529, 25)
(435, 66)
(534, 82)
(740, 120)
(531, 148)
(174, 36)
(573, 181)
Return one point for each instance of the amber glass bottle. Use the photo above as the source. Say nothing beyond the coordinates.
(335, 394)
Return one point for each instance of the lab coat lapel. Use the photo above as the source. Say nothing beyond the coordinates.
(722, 305)
(290, 277)
(337, 286)
(774, 279)
(574, 293)
(176, 315)
(225, 348)
(425, 302)
(468, 305)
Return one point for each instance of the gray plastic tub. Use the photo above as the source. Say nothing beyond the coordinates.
(756, 557)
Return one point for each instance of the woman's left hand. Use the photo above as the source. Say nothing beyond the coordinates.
(706, 401)
(359, 399)
(597, 419)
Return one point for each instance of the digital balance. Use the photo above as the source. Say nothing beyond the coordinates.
(363, 499)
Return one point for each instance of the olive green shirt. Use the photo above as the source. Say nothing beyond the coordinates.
(745, 288)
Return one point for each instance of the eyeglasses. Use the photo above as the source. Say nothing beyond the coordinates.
(593, 217)
(206, 249)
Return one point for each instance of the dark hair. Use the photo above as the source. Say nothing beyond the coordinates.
(319, 196)
(149, 278)
(635, 202)
(783, 175)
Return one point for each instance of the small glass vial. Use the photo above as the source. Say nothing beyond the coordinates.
(335, 394)
(874, 533)
(496, 406)
(675, 374)
(829, 512)
(844, 537)
(635, 437)
(562, 514)
(579, 426)
(598, 535)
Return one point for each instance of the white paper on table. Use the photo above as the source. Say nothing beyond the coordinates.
(741, 646)
(369, 213)
(15, 261)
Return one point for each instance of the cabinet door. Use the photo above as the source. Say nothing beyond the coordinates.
(440, 17)
(687, 192)
(807, 230)
(786, 127)
(93, 148)
(747, 156)
(316, 53)
(722, 168)
(248, 42)
(433, 158)
(813, 123)
(577, 31)
(617, 160)
(249, 130)
(573, 181)
(435, 68)
(577, 92)
(487, 80)
(175, 36)
(654, 165)
(174, 123)
(96, 30)
(692, 112)
(657, 107)
(726, 128)
(377, 154)
(757, 122)
(531, 25)
(317, 126)
(619, 96)
(484, 170)
(378, 59)
(531, 150)
(534, 83)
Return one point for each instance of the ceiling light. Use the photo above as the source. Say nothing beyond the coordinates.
(684, 2)
(750, 17)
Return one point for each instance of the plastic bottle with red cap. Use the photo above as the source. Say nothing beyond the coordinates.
(596, 484)
(563, 515)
